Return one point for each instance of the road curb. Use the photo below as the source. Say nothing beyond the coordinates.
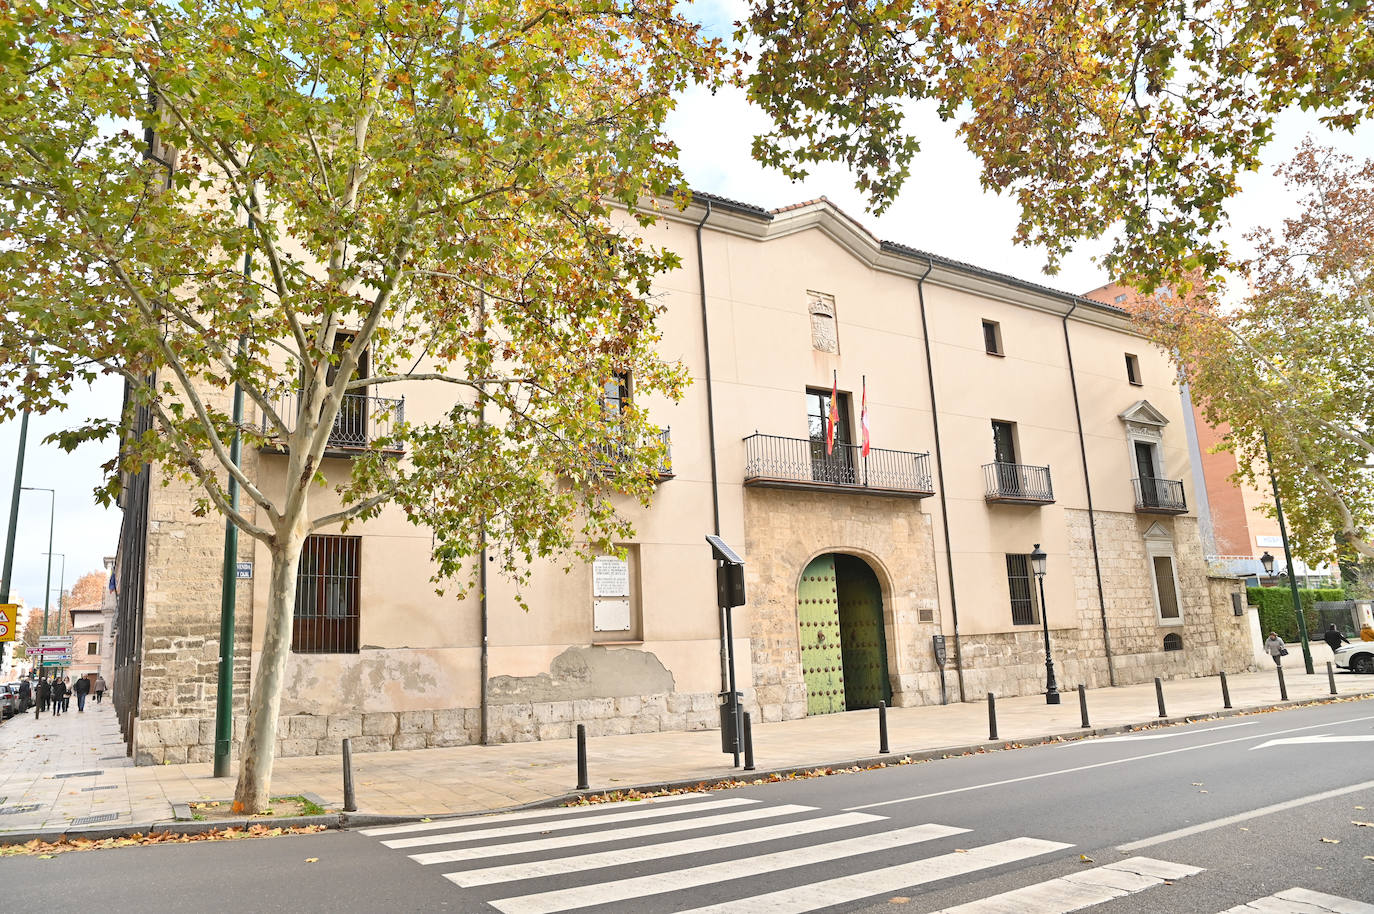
(350, 820)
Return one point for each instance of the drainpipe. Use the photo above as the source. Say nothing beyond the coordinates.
(711, 439)
(1088, 486)
(940, 475)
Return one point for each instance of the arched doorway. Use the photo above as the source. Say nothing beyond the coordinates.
(842, 636)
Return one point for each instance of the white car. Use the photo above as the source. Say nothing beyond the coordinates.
(1357, 657)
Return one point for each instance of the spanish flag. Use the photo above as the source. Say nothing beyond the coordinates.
(834, 413)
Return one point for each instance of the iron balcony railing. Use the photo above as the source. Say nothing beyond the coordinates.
(1159, 496)
(612, 454)
(1018, 483)
(362, 420)
(803, 463)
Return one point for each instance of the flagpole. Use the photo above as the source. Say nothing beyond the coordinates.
(863, 420)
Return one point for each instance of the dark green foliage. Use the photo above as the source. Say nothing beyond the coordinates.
(1276, 608)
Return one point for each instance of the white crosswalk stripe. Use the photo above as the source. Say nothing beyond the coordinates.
(450, 837)
(551, 813)
(1079, 890)
(632, 855)
(582, 839)
(677, 880)
(816, 895)
(1302, 901)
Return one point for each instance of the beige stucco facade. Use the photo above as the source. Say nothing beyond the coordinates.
(907, 328)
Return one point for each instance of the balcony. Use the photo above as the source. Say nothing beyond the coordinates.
(1159, 496)
(1017, 484)
(611, 454)
(362, 420)
(800, 463)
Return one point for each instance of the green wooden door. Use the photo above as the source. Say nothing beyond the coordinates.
(818, 622)
(862, 636)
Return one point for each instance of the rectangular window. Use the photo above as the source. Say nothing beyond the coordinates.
(838, 465)
(992, 337)
(1022, 588)
(1120, 299)
(92, 649)
(615, 394)
(1133, 369)
(326, 615)
(1164, 587)
(351, 424)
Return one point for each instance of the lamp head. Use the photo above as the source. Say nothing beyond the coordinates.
(1267, 561)
(1038, 558)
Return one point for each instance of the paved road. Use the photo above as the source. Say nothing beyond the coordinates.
(1220, 816)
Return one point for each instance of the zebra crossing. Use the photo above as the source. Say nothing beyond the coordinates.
(644, 856)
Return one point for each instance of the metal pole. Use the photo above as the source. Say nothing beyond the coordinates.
(7, 574)
(992, 716)
(1083, 705)
(1225, 691)
(229, 587)
(1331, 676)
(1159, 696)
(1288, 558)
(734, 693)
(1283, 686)
(748, 743)
(1051, 687)
(350, 801)
(882, 728)
(582, 781)
(52, 515)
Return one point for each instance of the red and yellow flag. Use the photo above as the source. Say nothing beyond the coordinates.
(834, 418)
(863, 419)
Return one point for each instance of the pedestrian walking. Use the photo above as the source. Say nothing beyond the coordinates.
(25, 695)
(1273, 646)
(99, 689)
(66, 694)
(82, 688)
(1334, 639)
(44, 694)
(57, 692)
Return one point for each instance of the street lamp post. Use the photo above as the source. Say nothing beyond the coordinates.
(52, 515)
(1288, 558)
(1038, 558)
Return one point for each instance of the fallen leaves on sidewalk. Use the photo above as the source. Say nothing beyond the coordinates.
(45, 850)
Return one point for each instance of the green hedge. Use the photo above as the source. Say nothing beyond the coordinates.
(1276, 608)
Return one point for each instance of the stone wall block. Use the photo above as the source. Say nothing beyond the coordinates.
(379, 723)
(341, 725)
(411, 739)
(371, 743)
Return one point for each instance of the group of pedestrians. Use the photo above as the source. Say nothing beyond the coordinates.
(1274, 646)
(56, 695)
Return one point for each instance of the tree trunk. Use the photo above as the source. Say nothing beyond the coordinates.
(260, 746)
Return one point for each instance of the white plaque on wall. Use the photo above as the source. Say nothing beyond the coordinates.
(611, 616)
(610, 577)
(1269, 541)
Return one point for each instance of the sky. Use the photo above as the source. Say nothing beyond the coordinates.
(942, 209)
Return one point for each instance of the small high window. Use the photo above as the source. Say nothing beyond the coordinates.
(92, 648)
(992, 338)
(1022, 589)
(1133, 369)
(1173, 642)
(1120, 299)
(326, 614)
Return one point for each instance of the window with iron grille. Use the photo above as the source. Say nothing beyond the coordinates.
(326, 616)
(1021, 586)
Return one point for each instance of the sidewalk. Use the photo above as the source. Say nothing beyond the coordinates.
(62, 773)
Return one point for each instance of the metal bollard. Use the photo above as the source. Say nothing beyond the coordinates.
(882, 728)
(1159, 696)
(1225, 691)
(992, 716)
(1331, 676)
(1283, 686)
(582, 757)
(350, 801)
(1083, 705)
(748, 743)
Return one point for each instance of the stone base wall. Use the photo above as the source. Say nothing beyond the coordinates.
(192, 739)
